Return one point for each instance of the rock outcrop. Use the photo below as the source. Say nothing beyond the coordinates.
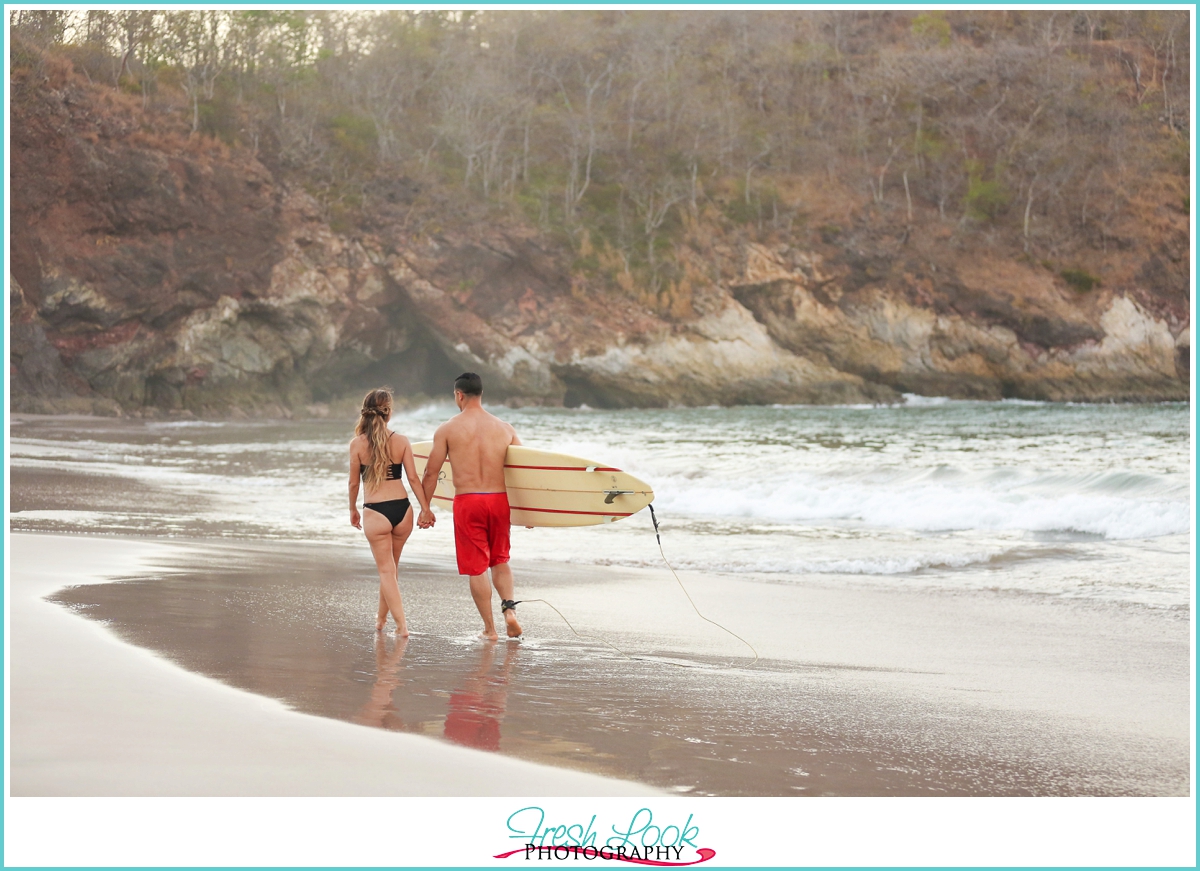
(997, 331)
(153, 274)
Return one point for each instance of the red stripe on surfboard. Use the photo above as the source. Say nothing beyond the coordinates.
(548, 468)
(566, 468)
(553, 510)
(563, 511)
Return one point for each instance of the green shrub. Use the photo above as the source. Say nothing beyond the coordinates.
(931, 28)
(218, 119)
(747, 208)
(986, 198)
(830, 233)
(354, 135)
(1080, 279)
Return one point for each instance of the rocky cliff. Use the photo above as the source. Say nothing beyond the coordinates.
(154, 272)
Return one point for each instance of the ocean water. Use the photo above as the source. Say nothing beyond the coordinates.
(1079, 501)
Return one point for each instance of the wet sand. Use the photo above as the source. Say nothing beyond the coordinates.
(860, 690)
(94, 716)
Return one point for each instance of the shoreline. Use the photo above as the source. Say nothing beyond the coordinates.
(92, 715)
(894, 692)
(417, 401)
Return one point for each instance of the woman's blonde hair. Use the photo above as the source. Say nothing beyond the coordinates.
(373, 421)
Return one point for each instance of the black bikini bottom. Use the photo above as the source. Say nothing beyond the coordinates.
(395, 510)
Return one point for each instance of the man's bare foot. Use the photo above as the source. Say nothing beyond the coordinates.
(511, 625)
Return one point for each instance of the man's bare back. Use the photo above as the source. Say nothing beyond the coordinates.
(476, 443)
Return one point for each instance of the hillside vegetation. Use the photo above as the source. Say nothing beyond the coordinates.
(655, 158)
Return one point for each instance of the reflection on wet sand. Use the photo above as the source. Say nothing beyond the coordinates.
(477, 706)
(474, 710)
(289, 624)
(378, 709)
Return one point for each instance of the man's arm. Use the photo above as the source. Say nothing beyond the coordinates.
(437, 458)
(426, 519)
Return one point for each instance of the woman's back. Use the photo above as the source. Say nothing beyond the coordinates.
(392, 485)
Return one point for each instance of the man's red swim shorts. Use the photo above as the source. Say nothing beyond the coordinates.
(481, 523)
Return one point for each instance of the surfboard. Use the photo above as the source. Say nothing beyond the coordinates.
(551, 489)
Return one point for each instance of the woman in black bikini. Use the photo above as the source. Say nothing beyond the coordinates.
(377, 456)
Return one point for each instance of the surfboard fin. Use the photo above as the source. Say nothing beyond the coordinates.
(610, 495)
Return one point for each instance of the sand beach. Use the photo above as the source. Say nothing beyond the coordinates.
(858, 691)
(971, 602)
(94, 716)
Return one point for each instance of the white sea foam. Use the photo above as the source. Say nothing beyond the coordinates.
(795, 563)
(930, 506)
(186, 424)
(915, 400)
(1084, 501)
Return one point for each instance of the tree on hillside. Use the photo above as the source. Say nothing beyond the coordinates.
(607, 125)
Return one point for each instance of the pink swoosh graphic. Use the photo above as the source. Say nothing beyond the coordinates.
(705, 855)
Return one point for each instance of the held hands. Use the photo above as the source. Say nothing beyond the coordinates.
(426, 519)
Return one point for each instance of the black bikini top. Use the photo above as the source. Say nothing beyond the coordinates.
(395, 470)
(393, 473)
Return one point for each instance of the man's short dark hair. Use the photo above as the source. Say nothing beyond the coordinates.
(469, 384)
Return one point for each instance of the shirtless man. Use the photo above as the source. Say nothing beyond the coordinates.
(476, 443)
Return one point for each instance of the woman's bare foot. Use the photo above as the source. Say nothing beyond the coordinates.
(401, 630)
(489, 636)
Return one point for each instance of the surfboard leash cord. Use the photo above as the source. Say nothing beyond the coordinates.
(667, 562)
(572, 628)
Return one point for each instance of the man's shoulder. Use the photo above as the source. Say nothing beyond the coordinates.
(490, 426)
(497, 420)
(509, 428)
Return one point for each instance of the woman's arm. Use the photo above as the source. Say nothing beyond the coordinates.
(426, 519)
(355, 520)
